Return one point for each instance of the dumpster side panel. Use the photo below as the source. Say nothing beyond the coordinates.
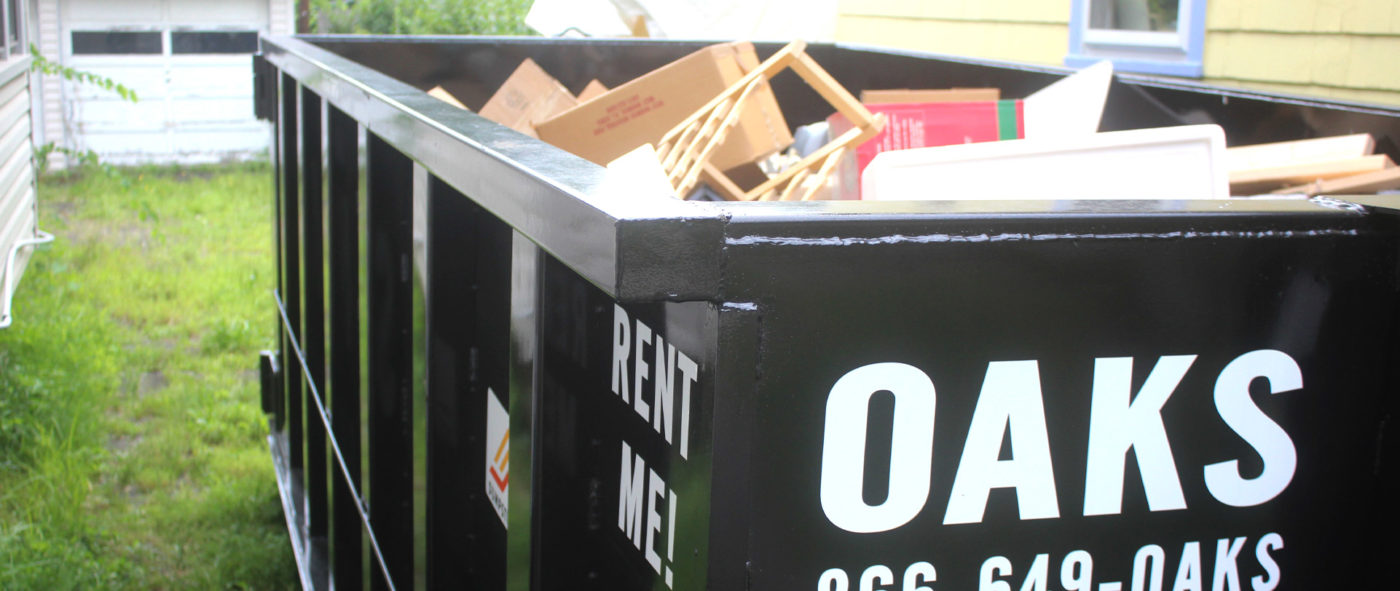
(1086, 401)
(623, 491)
(468, 335)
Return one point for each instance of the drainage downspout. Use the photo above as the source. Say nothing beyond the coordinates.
(40, 237)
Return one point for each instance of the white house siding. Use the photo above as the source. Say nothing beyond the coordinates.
(18, 215)
(193, 107)
(48, 122)
(282, 17)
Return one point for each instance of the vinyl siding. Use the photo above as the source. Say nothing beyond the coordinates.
(1017, 30)
(18, 216)
(1341, 49)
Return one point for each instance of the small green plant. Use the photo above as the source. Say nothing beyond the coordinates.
(84, 159)
(44, 65)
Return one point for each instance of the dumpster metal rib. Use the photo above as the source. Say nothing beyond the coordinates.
(349, 481)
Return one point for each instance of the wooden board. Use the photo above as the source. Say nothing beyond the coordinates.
(1279, 154)
(687, 148)
(1359, 184)
(1263, 180)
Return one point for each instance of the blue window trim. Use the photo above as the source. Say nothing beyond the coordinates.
(1185, 59)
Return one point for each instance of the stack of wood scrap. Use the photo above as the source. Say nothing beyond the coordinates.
(1336, 165)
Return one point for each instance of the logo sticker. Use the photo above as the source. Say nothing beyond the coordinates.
(497, 455)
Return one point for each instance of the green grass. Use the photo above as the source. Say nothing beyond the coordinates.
(132, 446)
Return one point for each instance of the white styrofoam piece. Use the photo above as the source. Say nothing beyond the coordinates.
(1185, 162)
(1071, 106)
(638, 172)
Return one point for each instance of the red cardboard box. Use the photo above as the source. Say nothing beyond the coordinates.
(919, 125)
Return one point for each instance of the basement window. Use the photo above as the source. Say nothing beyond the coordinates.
(1145, 36)
(226, 42)
(116, 42)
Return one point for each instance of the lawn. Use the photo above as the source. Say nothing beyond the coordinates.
(132, 447)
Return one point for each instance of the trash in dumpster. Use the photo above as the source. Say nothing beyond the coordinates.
(687, 150)
(919, 125)
(1067, 108)
(1287, 166)
(1185, 162)
(642, 110)
(1358, 184)
(528, 97)
(738, 146)
(593, 90)
(929, 95)
(441, 94)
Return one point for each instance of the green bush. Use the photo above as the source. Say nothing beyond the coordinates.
(421, 17)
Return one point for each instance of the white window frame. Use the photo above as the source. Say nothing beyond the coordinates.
(17, 47)
(1178, 53)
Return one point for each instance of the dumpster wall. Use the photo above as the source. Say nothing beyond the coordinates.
(473, 70)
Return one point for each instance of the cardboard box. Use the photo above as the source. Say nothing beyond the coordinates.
(643, 110)
(919, 125)
(950, 95)
(529, 96)
(593, 90)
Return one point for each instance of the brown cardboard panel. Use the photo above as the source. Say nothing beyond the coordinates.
(529, 96)
(593, 90)
(643, 110)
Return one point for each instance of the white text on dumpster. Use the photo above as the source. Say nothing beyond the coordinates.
(654, 380)
(1011, 403)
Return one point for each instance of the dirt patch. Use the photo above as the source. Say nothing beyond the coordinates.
(121, 444)
(111, 235)
(151, 382)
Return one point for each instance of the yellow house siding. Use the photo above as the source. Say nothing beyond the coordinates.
(1340, 49)
(1018, 30)
(1376, 17)
(1004, 11)
(1014, 41)
(1344, 49)
(1335, 65)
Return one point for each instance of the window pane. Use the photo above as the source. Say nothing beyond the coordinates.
(12, 25)
(213, 42)
(115, 42)
(1133, 15)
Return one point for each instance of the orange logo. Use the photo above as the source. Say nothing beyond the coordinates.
(500, 465)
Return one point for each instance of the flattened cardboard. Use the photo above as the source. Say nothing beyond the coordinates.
(643, 110)
(529, 96)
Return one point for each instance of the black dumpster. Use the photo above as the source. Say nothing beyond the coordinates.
(502, 368)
